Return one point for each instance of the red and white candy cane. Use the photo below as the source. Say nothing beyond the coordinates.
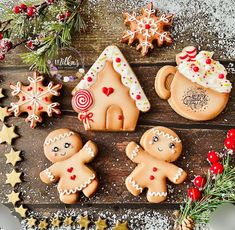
(188, 54)
(82, 101)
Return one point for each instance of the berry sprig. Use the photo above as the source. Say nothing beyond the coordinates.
(43, 29)
(209, 192)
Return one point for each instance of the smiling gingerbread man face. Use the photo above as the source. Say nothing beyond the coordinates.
(61, 144)
(162, 143)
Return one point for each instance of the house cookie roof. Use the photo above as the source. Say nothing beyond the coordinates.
(122, 67)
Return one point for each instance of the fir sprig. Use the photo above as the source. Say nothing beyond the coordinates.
(49, 30)
(219, 189)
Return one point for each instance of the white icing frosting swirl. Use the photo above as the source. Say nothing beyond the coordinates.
(206, 72)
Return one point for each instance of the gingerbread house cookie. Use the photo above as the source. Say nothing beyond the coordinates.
(109, 97)
(197, 88)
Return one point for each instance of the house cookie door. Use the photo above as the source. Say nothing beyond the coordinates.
(114, 118)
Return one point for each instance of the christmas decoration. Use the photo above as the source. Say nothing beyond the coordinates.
(218, 188)
(42, 28)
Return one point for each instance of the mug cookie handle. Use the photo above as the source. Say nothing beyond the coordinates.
(163, 81)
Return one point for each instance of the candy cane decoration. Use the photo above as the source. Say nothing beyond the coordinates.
(188, 54)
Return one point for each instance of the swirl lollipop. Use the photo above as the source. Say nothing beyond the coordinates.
(82, 101)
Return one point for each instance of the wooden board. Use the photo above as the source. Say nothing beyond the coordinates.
(111, 164)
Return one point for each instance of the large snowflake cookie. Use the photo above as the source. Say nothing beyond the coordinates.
(35, 99)
(147, 28)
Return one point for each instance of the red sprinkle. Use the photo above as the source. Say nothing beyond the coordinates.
(138, 97)
(195, 69)
(118, 59)
(208, 61)
(151, 177)
(89, 79)
(221, 76)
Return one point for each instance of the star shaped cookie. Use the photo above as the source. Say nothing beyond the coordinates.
(83, 222)
(22, 211)
(13, 178)
(121, 226)
(1, 94)
(3, 113)
(13, 197)
(31, 222)
(101, 224)
(13, 157)
(7, 134)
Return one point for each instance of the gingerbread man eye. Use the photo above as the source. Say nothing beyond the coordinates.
(155, 138)
(67, 145)
(55, 149)
(171, 145)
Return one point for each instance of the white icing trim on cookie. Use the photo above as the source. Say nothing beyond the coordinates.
(167, 135)
(178, 175)
(205, 71)
(77, 189)
(59, 137)
(134, 184)
(89, 150)
(49, 175)
(135, 152)
(157, 193)
(122, 67)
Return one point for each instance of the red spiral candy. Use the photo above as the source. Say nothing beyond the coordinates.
(82, 101)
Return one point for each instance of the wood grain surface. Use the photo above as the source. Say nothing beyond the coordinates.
(111, 165)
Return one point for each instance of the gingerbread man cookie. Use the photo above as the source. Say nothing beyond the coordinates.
(109, 97)
(197, 88)
(63, 148)
(159, 147)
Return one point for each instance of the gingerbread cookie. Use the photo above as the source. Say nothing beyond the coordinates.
(197, 88)
(109, 97)
(35, 99)
(158, 147)
(63, 148)
(147, 28)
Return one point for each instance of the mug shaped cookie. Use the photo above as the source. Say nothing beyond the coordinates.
(109, 97)
(158, 147)
(197, 88)
(63, 148)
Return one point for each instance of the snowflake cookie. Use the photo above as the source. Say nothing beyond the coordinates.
(147, 28)
(35, 99)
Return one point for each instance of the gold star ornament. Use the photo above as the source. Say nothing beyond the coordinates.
(68, 221)
(101, 224)
(121, 226)
(21, 211)
(7, 134)
(13, 157)
(55, 222)
(13, 197)
(13, 178)
(31, 222)
(42, 225)
(84, 222)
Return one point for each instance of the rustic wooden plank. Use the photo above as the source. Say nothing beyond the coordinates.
(105, 27)
(160, 113)
(112, 165)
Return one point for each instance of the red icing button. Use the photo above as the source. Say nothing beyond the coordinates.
(30, 88)
(23, 98)
(118, 59)
(138, 97)
(40, 89)
(70, 169)
(29, 107)
(154, 169)
(89, 79)
(147, 26)
(208, 61)
(151, 177)
(195, 69)
(46, 99)
(73, 177)
(221, 76)
(40, 108)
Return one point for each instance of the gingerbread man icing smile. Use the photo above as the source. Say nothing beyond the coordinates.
(160, 147)
(64, 149)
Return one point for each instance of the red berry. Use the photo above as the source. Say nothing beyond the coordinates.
(230, 143)
(67, 14)
(50, 2)
(31, 10)
(2, 57)
(1, 36)
(30, 44)
(60, 17)
(23, 7)
(231, 133)
(118, 59)
(199, 181)
(221, 76)
(6, 44)
(147, 26)
(217, 168)
(194, 194)
(16, 9)
(195, 69)
(208, 61)
(212, 157)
